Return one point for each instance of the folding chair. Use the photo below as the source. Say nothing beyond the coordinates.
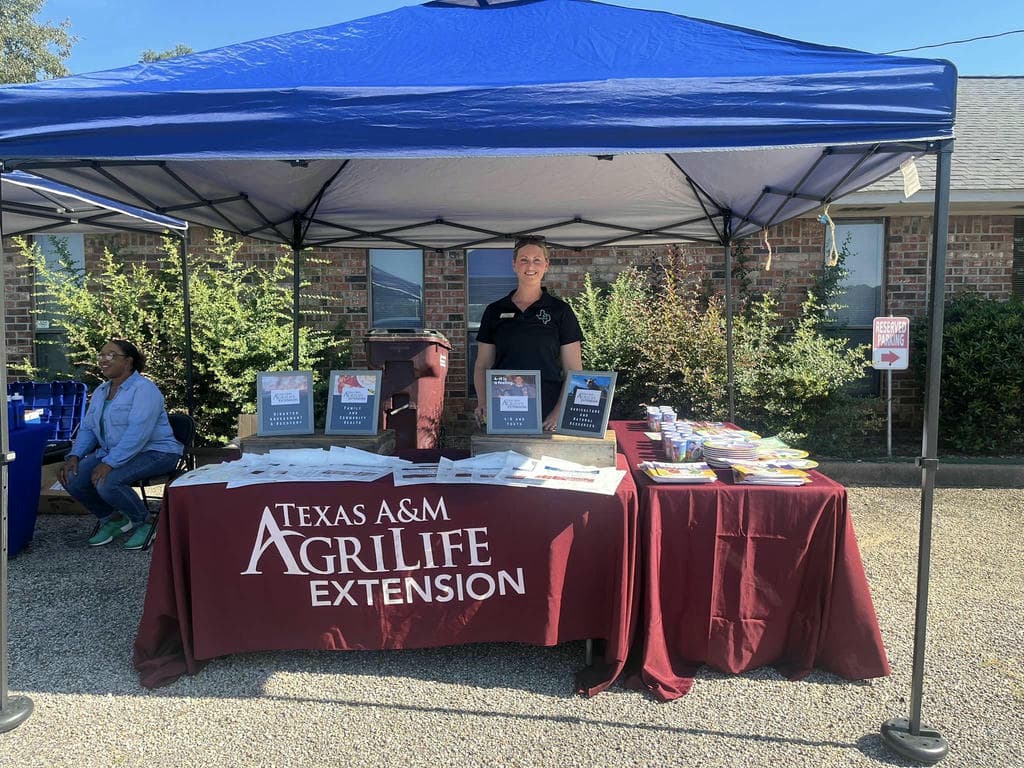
(184, 428)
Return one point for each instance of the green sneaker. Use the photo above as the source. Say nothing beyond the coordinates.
(110, 530)
(138, 538)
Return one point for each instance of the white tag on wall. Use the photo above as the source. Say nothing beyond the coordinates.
(911, 181)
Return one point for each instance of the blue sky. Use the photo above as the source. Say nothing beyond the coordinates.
(113, 33)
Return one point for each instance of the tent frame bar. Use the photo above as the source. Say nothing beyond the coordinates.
(297, 238)
(908, 737)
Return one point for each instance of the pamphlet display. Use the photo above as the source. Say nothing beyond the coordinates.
(513, 402)
(284, 403)
(353, 403)
(586, 403)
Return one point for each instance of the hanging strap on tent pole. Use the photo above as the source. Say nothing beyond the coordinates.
(768, 245)
(833, 249)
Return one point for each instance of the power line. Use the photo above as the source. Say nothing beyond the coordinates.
(954, 42)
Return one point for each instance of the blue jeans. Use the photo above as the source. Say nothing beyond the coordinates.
(115, 493)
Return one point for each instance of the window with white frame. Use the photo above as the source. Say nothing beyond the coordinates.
(864, 245)
(396, 288)
(861, 300)
(64, 254)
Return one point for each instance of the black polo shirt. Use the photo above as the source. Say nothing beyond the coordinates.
(531, 340)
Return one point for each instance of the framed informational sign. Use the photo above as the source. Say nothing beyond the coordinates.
(513, 402)
(284, 403)
(353, 403)
(586, 403)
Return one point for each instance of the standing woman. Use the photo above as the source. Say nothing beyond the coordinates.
(529, 330)
(124, 437)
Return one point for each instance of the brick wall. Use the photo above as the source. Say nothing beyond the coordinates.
(18, 304)
(980, 258)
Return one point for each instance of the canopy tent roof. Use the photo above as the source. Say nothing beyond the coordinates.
(30, 205)
(453, 124)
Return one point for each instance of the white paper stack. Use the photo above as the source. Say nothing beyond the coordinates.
(484, 469)
(295, 465)
(549, 472)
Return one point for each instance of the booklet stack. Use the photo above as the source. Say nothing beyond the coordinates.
(683, 472)
(760, 474)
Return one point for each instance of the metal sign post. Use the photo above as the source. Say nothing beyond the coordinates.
(888, 420)
(890, 350)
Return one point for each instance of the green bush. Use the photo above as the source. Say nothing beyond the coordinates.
(241, 324)
(665, 335)
(612, 329)
(791, 377)
(981, 395)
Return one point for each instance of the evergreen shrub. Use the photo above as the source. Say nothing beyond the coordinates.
(981, 395)
(241, 324)
(664, 333)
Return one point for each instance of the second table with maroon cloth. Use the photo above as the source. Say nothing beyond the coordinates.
(346, 566)
(742, 576)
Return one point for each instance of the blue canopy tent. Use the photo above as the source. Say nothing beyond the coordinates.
(30, 205)
(467, 123)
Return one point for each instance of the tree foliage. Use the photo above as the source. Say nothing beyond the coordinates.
(241, 323)
(665, 334)
(149, 55)
(32, 50)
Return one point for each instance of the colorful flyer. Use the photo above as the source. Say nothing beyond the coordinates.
(586, 403)
(284, 403)
(513, 402)
(353, 403)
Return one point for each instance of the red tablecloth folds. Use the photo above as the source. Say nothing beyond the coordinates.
(345, 566)
(740, 577)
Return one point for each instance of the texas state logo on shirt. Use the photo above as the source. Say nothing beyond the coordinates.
(543, 316)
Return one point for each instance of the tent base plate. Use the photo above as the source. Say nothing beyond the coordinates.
(926, 746)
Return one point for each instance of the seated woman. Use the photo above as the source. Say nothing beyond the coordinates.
(124, 437)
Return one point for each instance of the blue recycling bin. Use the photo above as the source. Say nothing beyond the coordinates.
(24, 476)
(62, 405)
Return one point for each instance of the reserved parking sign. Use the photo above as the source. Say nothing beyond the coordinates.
(890, 343)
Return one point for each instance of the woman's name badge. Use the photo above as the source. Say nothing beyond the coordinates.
(506, 315)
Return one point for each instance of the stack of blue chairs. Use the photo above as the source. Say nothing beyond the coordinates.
(62, 403)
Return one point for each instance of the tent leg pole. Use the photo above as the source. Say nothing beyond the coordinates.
(190, 394)
(14, 710)
(907, 737)
(296, 268)
(730, 379)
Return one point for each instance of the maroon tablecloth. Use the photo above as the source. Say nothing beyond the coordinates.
(744, 576)
(344, 566)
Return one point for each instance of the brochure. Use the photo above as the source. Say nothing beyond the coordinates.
(513, 402)
(353, 403)
(586, 403)
(684, 472)
(284, 403)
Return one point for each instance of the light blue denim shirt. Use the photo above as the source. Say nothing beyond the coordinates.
(133, 422)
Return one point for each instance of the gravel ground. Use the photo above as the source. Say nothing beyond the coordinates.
(74, 611)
